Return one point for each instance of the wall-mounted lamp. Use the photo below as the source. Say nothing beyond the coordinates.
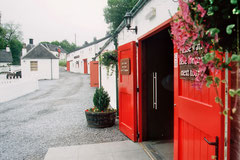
(128, 19)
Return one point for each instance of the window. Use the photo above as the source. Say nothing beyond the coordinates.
(33, 65)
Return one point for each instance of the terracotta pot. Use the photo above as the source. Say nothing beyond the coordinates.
(100, 119)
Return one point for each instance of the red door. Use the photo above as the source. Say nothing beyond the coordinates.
(68, 66)
(94, 81)
(127, 90)
(85, 66)
(196, 116)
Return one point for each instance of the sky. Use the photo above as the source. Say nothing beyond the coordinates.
(49, 20)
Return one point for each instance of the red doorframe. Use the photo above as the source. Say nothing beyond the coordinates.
(140, 39)
(85, 66)
(139, 107)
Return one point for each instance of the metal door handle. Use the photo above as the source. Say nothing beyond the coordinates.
(156, 105)
(216, 143)
(155, 90)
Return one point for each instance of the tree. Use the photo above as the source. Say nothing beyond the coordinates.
(69, 47)
(11, 35)
(12, 31)
(16, 48)
(115, 11)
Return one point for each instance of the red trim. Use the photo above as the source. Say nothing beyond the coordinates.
(155, 30)
(140, 39)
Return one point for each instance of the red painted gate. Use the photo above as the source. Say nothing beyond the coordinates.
(85, 66)
(127, 90)
(94, 81)
(196, 119)
(68, 65)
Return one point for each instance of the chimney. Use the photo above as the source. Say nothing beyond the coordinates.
(30, 41)
(7, 49)
(24, 50)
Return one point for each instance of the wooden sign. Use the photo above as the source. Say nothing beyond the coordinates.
(187, 66)
(125, 68)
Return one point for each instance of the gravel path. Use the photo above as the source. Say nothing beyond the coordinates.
(53, 116)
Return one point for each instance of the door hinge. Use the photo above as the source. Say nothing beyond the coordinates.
(137, 44)
(137, 89)
(138, 135)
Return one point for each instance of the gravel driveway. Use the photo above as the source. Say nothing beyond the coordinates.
(53, 116)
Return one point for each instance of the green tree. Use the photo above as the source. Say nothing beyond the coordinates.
(115, 11)
(16, 48)
(11, 35)
(67, 46)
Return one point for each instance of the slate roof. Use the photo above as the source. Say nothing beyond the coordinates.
(29, 47)
(54, 48)
(39, 52)
(5, 56)
(91, 43)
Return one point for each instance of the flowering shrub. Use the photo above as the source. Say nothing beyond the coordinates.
(214, 25)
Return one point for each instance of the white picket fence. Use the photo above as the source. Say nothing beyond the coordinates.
(14, 88)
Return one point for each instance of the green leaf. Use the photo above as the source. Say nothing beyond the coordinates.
(233, 1)
(217, 80)
(232, 92)
(238, 91)
(235, 58)
(210, 11)
(229, 28)
(211, 1)
(208, 57)
(225, 112)
(218, 100)
(213, 31)
(223, 81)
(236, 11)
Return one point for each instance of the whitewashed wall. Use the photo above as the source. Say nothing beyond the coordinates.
(109, 81)
(164, 10)
(14, 88)
(85, 53)
(44, 69)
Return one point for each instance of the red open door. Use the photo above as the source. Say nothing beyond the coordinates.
(197, 119)
(68, 65)
(127, 90)
(85, 66)
(94, 81)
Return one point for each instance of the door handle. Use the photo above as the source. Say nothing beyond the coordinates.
(156, 105)
(216, 143)
(155, 90)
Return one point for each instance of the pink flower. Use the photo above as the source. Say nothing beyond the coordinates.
(202, 10)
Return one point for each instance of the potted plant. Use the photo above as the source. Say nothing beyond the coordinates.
(101, 115)
(109, 59)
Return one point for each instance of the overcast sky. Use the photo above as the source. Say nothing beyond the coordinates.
(49, 20)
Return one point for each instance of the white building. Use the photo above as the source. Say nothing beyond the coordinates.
(58, 51)
(79, 60)
(40, 62)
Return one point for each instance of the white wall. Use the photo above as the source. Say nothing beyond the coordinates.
(109, 81)
(14, 88)
(85, 53)
(163, 10)
(45, 71)
(162, 7)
